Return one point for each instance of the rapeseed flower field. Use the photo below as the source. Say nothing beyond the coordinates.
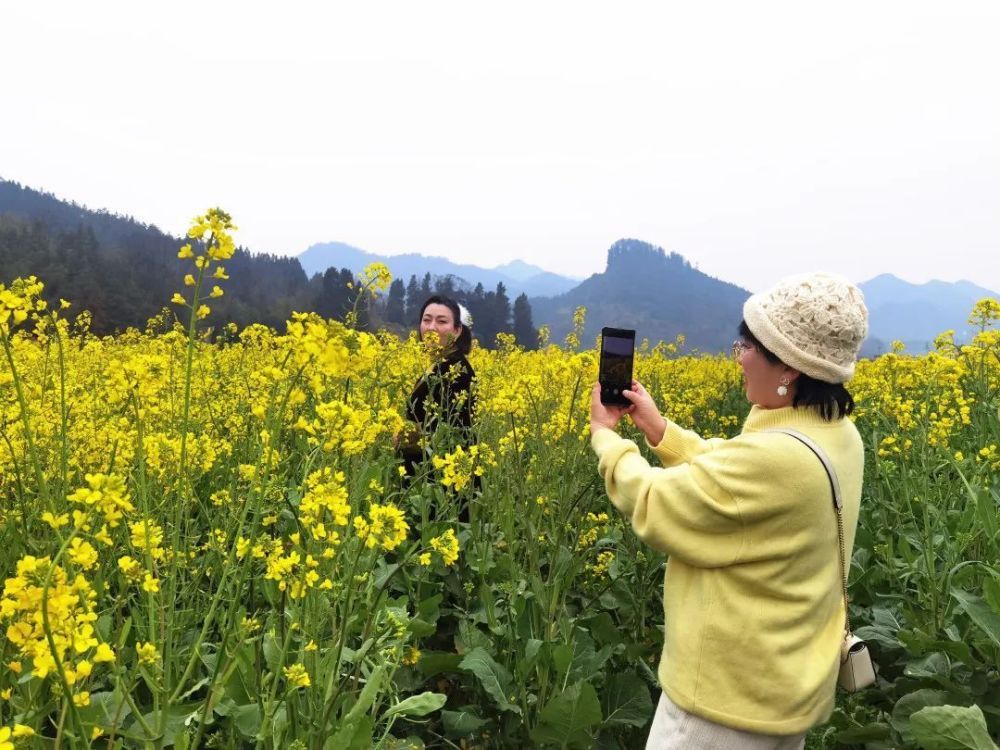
(206, 540)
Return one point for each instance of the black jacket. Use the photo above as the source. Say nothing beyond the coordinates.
(447, 389)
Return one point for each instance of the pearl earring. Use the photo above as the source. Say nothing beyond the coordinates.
(783, 388)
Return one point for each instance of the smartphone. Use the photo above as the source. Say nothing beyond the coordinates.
(617, 355)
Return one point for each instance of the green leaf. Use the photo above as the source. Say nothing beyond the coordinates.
(435, 662)
(493, 677)
(279, 723)
(429, 609)
(604, 630)
(567, 720)
(421, 628)
(562, 657)
(352, 735)
(626, 700)
(909, 704)
(471, 638)
(368, 694)
(981, 613)
(106, 710)
(462, 723)
(177, 717)
(272, 653)
(951, 728)
(247, 719)
(532, 648)
(991, 590)
(869, 733)
(931, 666)
(418, 705)
(588, 664)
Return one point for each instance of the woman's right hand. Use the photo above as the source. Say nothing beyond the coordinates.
(646, 416)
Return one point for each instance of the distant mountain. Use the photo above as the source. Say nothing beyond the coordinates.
(916, 313)
(516, 276)
(658, 294)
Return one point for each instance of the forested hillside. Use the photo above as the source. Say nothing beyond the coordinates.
(124, 272)
(658, 294)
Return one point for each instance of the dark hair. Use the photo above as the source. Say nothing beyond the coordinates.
(831, 399)
(463, 344)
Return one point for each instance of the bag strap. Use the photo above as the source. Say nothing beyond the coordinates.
(838, 507)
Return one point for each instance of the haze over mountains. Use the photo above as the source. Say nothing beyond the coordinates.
(518, 277)
(124, 271)
(662, 295)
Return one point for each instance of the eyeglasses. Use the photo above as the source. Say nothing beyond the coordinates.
(739, 347)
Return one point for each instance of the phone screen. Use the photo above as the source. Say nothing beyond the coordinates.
(617, 349)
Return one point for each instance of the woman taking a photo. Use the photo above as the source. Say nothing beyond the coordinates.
(753, 598)
(443, 397)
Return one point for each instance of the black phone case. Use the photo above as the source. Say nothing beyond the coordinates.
(608, 396)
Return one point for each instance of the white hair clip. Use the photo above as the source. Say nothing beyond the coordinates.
(464, 317)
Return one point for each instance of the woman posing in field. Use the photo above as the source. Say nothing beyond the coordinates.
(443, 397)
(753, 597)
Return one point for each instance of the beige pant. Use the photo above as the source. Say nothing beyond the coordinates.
(674, 729)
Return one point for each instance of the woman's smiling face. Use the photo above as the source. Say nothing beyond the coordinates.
(439, 319)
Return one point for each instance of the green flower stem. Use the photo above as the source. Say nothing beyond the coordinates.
(345, 618)
(181, 492)
(26, 422)
(50, 639)
(270, 704)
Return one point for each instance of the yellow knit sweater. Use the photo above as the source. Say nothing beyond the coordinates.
(752, 593)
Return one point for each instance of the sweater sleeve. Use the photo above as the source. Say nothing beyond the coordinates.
(682, 510)
(680, 446)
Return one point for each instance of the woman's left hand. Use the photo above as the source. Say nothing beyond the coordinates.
(604, 415)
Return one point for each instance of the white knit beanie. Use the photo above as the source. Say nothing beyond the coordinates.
(813, 322)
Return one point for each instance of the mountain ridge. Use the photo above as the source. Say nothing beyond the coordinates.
(658, 294)
(524, 278)
(124, 271)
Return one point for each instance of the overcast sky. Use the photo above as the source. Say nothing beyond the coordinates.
(754, 138)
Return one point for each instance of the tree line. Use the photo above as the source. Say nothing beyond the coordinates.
(124, 273)
(492, 311)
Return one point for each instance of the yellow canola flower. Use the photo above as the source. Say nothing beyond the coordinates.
(446, 545)
(147, 653)
(70, 612)
(297, 676)
(147, 538)
(177, 299)
(82, 553)
(411, 656)
(56, 522)
(385, 527)
(106, 494)
(131, 567)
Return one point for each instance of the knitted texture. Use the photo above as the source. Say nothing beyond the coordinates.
(813, 322)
